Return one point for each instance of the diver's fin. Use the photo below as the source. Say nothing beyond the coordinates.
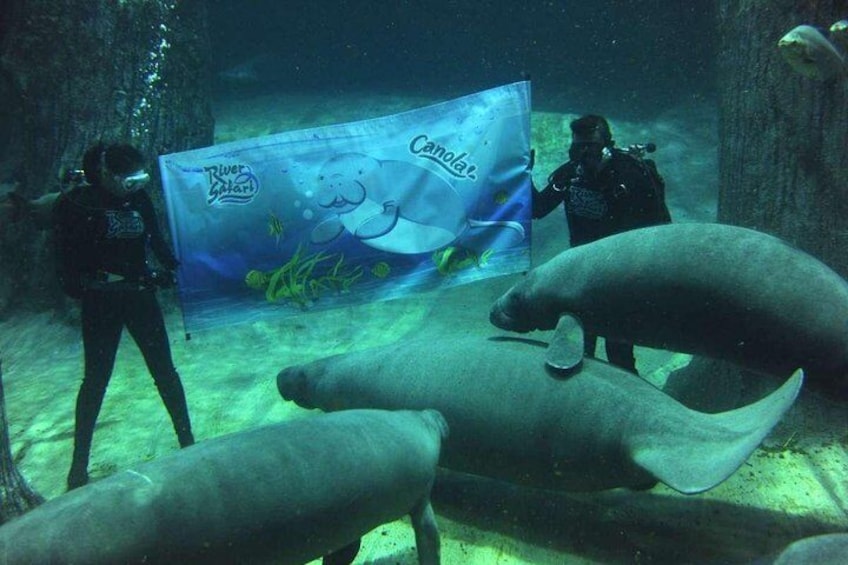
(327, 230)
(379, 224)
(565, 352)
(702, 452)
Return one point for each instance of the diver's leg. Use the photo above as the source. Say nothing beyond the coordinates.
(101, 334)
(147, 327)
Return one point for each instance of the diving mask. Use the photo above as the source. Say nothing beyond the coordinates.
(134, 181)
(591, 156)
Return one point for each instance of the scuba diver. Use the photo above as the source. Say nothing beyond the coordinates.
(104, 230)
(605, 190)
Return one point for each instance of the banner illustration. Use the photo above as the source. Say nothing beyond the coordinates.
(354, 212)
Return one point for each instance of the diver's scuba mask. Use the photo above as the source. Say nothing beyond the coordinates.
(135, 181)
(124, 185)
(590, 156)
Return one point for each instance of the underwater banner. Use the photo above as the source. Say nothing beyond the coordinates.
(352, 213)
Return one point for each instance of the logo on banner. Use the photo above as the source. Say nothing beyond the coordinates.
(454, 163)
(231, 184)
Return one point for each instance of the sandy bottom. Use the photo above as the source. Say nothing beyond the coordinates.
(792, 487)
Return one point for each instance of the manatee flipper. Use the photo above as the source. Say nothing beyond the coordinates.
(565, 352)
(717, 444)
(327, 230)
(379, 224)
(426, 533)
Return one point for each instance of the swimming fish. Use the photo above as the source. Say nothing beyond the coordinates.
(839, 35)
(275, 227)
(811, 54)
(381, 270)
(257, 280)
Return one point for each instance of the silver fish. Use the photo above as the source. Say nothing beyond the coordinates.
(839, 35)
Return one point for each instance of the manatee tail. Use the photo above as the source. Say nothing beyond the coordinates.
(714, 445)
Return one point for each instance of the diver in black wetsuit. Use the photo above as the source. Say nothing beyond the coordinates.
(103, 234)
(605, 191)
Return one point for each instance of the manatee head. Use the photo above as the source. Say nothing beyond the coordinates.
(312, 385)
(512, 311)
(810, 53)
(343, 181)
(293, 385)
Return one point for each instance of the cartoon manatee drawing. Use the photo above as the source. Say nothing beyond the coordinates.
(393, 206)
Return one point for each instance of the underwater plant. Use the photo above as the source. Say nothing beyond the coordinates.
(299, 281)
(452, 259)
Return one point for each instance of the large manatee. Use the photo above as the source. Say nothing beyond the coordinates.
(709, 289)
(510, 419)
(290, 492)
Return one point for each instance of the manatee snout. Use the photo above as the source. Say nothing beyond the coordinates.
(508, 313)
(293, 385)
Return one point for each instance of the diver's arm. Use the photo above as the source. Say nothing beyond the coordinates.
(545, 201)
(158, 244)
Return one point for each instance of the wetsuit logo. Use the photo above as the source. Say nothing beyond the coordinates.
(231, 184)
(456, 164)
(586, 203)
(124, 224)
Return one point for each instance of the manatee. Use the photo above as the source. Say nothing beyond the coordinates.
(393, 206)
(510, 419)
(709, 289)
(811, 54)
(290, 492)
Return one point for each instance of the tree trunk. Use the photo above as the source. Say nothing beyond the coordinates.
(77, 72)
(16, 496)
(783, 159)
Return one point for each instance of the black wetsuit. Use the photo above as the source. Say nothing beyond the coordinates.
(627, 193)
(102, 251)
